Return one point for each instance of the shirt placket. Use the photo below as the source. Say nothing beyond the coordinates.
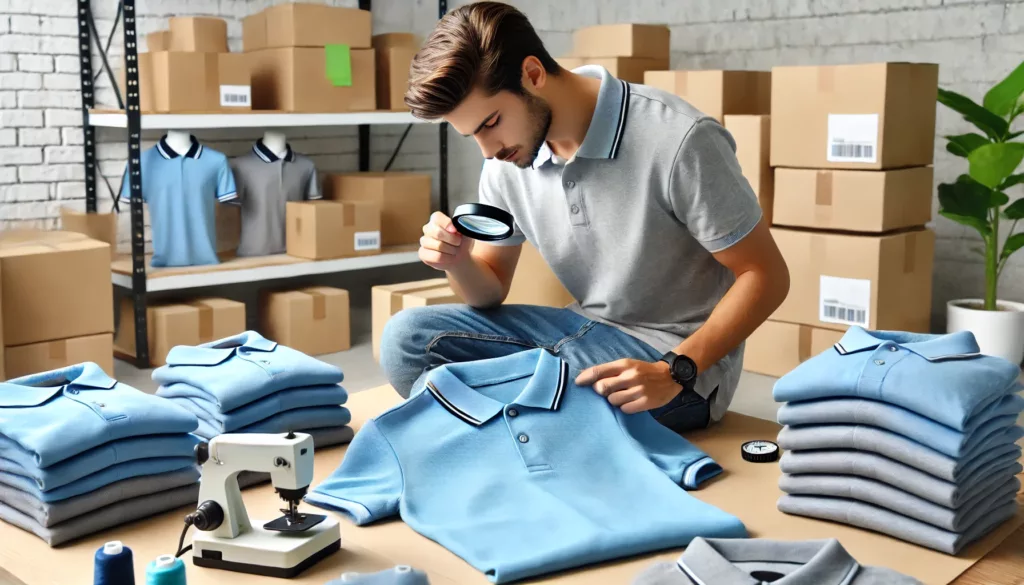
(96, 402)
(573, 196)
(882, 360)
(525, 441)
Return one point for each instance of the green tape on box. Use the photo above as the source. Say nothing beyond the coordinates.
(339, 65)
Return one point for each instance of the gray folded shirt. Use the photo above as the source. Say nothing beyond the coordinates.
(880, 494)
(904, 477)
(881, 520)
(866, 438)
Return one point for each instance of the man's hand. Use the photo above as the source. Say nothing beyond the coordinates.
(442, 247)
(632, 385)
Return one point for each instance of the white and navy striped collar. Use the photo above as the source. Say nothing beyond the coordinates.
(453, 385)
(165, 150)
(958, 345)
(267, 155)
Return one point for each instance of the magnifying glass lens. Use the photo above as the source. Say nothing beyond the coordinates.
(483, 222)
(483, 225)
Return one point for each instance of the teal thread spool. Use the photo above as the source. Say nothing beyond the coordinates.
(165, 570)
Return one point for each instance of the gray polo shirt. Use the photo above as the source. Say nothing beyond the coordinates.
(266, 183)
(630, 222)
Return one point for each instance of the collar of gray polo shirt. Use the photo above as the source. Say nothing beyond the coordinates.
(713, 561)
(165, 150)
(453, 385)
(959, 345)
(605, 131)
(36, 389)
(269, 156)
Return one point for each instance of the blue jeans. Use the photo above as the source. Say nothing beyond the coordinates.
(418, 339)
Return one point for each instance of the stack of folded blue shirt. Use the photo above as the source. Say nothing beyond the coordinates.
(80, 452)
(248, 384)
(907, 434)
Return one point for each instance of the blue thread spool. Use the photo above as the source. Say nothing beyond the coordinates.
(165, 570)
(113, 565)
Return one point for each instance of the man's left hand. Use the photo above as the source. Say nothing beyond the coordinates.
(632, 385)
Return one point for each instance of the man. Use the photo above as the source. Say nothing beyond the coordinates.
(633, 197)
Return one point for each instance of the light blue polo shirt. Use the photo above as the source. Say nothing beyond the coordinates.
(180, 192)
(943, 377)
(512, 467)
(199, 403)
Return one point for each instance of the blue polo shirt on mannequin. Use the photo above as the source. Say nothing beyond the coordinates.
(520, 472)
(180, 192)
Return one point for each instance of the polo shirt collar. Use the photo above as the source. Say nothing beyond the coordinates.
(215, 352)
(36, 389)
(959, 345)
(269, 156)
(824, 562)
(194, 151)
(453, 385)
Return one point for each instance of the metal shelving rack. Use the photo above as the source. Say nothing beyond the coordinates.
(134, 122)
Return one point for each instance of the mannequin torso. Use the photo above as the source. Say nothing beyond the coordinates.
(276, 142)
(179, 141)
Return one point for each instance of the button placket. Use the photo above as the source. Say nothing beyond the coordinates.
(523, 439)
(876, 368)
(574, 200)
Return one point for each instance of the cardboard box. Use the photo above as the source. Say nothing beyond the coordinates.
(306, 25)
(877, 282)
(752, 135)
(718, 93)
(294, 80)
(386, 300)
(98, 226)
(394, 58)
(631, 69)
(231, 87)
(398, 39)
(430, 297)
(320, 230)
(534, 283)
(199, 34)
(44, 356)
(404, 200)
(312, 320)
(775, 348)
(171, 82)
(56, 285)
(158, 41)
(858, 201)
(622, 40)
(868, 116)
(186, 323)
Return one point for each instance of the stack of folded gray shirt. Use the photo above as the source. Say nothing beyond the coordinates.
(907, 434)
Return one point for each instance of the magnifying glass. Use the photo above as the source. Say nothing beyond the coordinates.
(482, 222)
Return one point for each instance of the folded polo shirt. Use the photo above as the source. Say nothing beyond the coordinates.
(882, 494)
(998, 416)
(897, 447)
(55, 415)
(97, 480)
(199, 403)
(244, 368)
(539, 503)
(943, 377)
(300, 419)
(881, 520)
(755, 561)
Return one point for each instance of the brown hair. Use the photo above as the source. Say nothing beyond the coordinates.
(481, 44)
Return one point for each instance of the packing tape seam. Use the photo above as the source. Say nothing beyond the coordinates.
(803, 343)
(319, 304)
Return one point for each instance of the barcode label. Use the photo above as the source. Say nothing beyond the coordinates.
(367, 241)
(844, 300)
(852, 138)
(235, 96)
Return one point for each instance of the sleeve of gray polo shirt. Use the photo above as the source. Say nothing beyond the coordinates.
(312, 190)
(707, 189)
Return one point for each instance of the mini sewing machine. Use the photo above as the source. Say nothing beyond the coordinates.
(225, 538)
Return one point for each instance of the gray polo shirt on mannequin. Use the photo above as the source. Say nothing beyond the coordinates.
(630, 223)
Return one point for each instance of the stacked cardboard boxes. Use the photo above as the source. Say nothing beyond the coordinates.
(403, 199)
(183, 323)
(313, 320)
(851, 146)
(55, 301)
(627, 51)
(388, 299)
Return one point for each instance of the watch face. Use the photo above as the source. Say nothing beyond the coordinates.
(683, 369)
(760, 447)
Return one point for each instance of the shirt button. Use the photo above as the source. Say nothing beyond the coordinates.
(513, 412)
(72, 391)
(570, 184)
(575, 209)
(523, 438)
(893, 348)
(879, 362)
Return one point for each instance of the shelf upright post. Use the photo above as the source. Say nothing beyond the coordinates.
(134, 116)
(442, 9)
(364, 129)
(88, 101)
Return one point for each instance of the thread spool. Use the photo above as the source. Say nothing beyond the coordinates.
(165, 570)
(112, 565)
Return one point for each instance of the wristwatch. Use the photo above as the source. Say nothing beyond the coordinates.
(682, 368)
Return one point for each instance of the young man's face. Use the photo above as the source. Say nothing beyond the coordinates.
(507, 126)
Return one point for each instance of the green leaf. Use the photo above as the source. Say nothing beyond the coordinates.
(964, 144)
(989, 123)
(1014, 135)
(967, 220)
(992, 163)
(1012, 244)
(1002, 99)
(1015, 210)
(1012, 181)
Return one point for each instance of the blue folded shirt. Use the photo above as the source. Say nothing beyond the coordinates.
(199, 403)
(56, 415)
(237, 370)
(943, 377)
(300, 419)
(97, 480)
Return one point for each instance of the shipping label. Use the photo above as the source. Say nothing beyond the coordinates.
(852, 138)
(367, 241)
(844, 300)
(236, 96)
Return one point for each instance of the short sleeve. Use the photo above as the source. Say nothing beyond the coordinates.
(226, 184)
(126, 187)
(312, 191)
(368, 484)
(490, 194)
(707, 189)
(240, 187)
(687, 465)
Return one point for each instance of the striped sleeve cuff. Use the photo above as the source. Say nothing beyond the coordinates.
(700, 471)
(227, 197)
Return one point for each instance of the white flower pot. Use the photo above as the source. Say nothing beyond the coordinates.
(999, 332)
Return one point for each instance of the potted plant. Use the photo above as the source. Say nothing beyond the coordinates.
(980, 199)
